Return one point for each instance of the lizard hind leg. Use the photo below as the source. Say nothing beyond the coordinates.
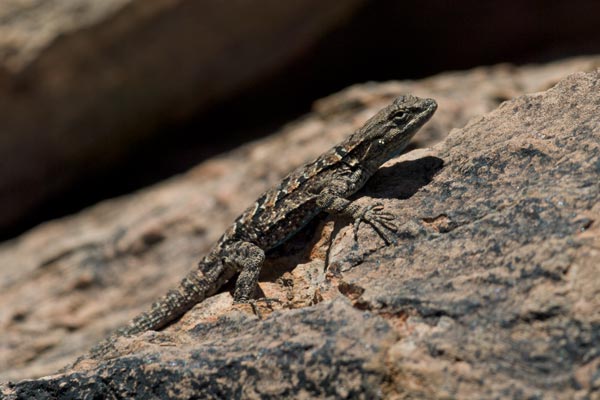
(248, 258)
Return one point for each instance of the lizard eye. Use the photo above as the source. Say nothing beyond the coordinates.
(399, 117)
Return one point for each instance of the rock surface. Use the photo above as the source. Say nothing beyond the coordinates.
(491, 291)
(83, 81)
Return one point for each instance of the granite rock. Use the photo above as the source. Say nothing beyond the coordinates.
(491, 291)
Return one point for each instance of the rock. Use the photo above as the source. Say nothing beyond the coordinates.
(491, 290)
(300, 344)
(81, 93)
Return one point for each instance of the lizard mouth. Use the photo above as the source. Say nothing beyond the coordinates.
(431, 104)
(427, 108)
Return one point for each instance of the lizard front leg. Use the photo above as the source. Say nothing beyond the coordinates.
(382, 222)
(247, 258)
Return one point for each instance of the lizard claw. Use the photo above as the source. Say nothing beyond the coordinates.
(382, 222)
(267, 300)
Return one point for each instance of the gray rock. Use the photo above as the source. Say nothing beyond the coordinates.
(490, 292)
(313, 352)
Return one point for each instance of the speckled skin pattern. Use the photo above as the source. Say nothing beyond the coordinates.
(322, 185)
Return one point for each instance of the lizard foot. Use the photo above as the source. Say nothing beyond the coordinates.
(267, 300)
(382, 222)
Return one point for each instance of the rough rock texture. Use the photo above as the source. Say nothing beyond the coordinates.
(492, 290)
(82, 81)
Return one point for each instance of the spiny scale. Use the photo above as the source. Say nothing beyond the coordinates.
(321, 185)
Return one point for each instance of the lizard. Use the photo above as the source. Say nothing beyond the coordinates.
(324, 184)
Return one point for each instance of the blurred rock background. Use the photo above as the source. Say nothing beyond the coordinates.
(102, 97)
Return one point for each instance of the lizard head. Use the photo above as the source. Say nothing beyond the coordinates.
(387, 133)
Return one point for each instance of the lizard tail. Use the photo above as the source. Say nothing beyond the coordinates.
(192, 290)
